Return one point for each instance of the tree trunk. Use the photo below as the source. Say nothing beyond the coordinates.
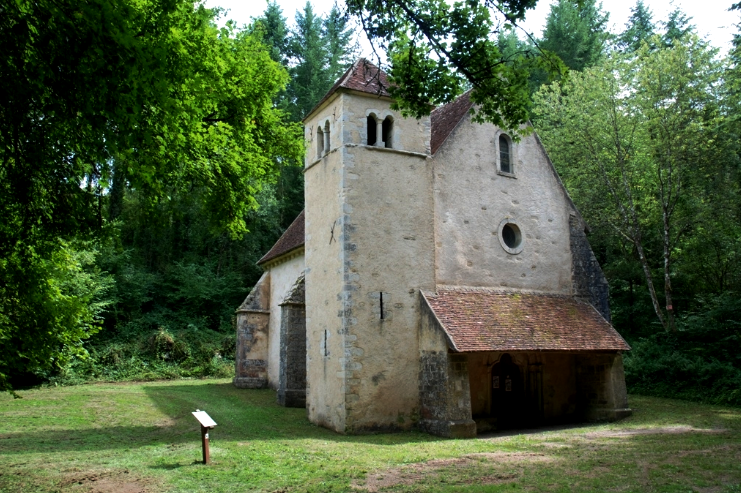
(670, 325)
(650, 282)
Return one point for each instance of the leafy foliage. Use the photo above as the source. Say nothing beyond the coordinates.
(639, 28)
(437, 49)
(62, 303)
(147, 96)
(699, 362)
(637, 140)
(576, 32)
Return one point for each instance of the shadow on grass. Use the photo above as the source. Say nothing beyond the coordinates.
(254, 416)
(241, 416)
(245, 415)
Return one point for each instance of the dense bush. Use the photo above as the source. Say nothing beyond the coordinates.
(153, 355)
(700, 362)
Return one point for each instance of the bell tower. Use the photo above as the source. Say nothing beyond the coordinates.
(369, 250)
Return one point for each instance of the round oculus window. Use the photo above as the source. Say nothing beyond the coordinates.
(510, 236)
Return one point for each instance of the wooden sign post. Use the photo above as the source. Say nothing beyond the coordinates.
(206, 424)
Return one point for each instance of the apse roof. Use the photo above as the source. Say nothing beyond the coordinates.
(291, 239)
(484, 319)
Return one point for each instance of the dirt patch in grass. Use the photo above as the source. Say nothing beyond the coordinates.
(412, 474)
(666, 430)
(105, 482)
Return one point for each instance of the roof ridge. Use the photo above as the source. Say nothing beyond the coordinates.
(358, 80)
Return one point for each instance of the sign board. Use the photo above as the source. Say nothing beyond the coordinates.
(204, 419)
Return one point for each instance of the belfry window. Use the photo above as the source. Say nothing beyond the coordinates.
(505, 164)
(319, 142)
(371, 129)
(387, 129)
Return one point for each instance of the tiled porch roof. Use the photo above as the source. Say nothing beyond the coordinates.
(481, 319)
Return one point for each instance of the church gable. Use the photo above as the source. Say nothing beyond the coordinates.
(504, 228)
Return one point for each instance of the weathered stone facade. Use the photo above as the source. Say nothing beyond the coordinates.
(590, 284)
(425, 206)
(292, 380)
(253, 318)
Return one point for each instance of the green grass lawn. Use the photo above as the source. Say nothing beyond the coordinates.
(141, 437)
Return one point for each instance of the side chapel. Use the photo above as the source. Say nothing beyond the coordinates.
(439, 278)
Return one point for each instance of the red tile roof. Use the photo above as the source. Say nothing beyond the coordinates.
(366, 77)
(291, 239)
(481, 319)
(444, 119)
(362, 76)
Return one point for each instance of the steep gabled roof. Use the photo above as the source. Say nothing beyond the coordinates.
(292, 239)
(444, 119)
(485, 319)
(362, 76)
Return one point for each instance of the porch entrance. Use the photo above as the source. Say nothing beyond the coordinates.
(515, 394)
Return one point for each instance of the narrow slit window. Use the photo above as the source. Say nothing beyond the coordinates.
(381, 305)
(371, 124)
(387, 128)
(326, 348)
(327, 145)
(504, 155)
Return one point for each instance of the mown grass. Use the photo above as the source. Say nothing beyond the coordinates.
(141, 437)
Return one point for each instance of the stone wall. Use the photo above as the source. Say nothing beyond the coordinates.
(253, 317)
(589, 282)
(601, 387)
(325, 334)
(369, 250)
(292, 379)
(444, 392)
(283, 274)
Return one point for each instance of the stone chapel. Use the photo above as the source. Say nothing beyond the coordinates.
(439, 278)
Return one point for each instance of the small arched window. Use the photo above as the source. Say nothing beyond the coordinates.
(387, 131)
(371, 129)
(319, 142)
(505, 163)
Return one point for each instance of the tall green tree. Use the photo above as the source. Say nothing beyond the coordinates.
(309, 77)
(576, 32)
(676, 27)
(635, 139)
(153, 87)
(639, 29)
(275, 31)
(338, 38)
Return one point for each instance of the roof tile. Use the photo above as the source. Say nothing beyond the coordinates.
(362, 76)
(444, 119)
(483, 319)
(291, 239)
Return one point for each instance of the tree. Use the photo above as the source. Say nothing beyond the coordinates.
(436, 49)
(338, 39)
(275, 31)
(153, 87)
(676, 27)
(634, 139)
(575, 31)
(309, 79)
(639, 28)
